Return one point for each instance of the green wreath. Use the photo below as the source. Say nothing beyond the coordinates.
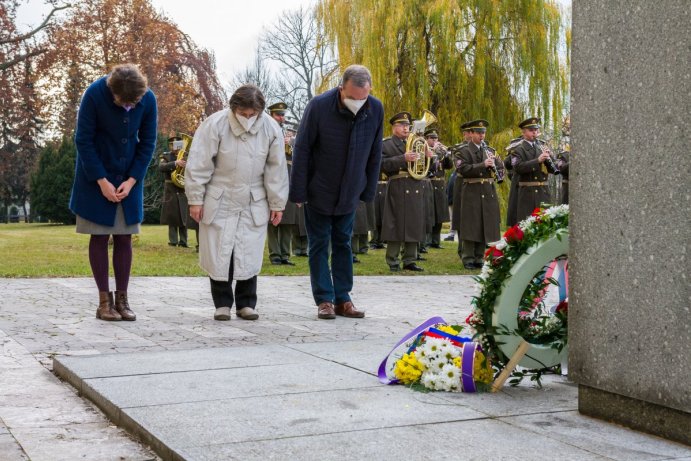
(513, 281)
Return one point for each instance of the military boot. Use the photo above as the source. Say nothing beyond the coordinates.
(123, 306)
(105, 310)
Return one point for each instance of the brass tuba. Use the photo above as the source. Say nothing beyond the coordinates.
(178, 175)
(416, 143)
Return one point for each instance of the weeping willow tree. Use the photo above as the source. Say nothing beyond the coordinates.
(499, 60)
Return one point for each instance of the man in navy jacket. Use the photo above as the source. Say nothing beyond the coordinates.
(336, 166)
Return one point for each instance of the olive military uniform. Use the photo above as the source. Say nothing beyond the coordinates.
(563, 165)
(174, 211)
(511, 209)
(480, 215)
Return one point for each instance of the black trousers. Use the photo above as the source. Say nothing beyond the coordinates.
(245, 291)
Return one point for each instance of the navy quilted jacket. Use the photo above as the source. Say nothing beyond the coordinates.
(336, 154)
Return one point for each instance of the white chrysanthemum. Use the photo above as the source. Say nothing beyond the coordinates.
(526, 223)
(429, 380)
(451, 372)
(501, 244)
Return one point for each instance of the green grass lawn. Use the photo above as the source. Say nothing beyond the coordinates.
(46, 250)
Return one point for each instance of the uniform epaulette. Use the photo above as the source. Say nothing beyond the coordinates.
(513, 143)
(386, 138)
(457, 146)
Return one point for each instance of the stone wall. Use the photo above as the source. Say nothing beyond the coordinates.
(629, 323)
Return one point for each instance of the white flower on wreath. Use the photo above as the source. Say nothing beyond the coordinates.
(526, 223)
(501, 244)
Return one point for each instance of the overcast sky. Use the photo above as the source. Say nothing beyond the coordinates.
(229, 28)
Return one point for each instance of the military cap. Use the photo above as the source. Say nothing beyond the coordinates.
(476, 125)
(279, 108)
(532, 122)
(291, 127)
(401, 117)
(431, 133)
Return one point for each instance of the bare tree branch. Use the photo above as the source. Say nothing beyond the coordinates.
(43, 25)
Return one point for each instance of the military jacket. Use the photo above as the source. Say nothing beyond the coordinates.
(528, 170)
(511, 209)
(563, 164)
(480, 216)
(458, 185)
(403, 214)
(174, 204)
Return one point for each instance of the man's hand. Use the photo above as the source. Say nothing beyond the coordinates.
(543, 157)
(411, 156)
(124, 189)
(489, 162)
(276, 217)
(197, 212)
(180, 163)
(108, 190)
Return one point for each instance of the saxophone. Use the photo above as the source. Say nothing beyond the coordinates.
(178, 175)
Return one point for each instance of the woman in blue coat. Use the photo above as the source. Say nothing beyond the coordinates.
(115, 138)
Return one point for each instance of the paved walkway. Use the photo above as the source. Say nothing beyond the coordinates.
(286, 386)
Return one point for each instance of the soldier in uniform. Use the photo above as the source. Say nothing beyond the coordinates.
(279, 237)
(563, 165)
(458, 185)
(358, 241)
(299, 241)
(174, 206)
(403, 215)
(511, 209)
(480, 215)
(378, 205)
(440, 163)
(532, 164)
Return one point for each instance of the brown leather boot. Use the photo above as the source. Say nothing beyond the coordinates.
(105, 309)
(123, 306)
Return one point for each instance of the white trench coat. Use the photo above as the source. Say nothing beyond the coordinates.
(238, 176)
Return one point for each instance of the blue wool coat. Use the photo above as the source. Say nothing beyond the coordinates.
(115, 144)
(336, 154)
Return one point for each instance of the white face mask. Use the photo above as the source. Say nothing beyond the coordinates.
(354, 105)
(246, 122)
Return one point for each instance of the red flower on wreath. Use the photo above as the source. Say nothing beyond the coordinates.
(513, 234)
(563, 307)
(471, 319)
(494, 255)
(536, 212)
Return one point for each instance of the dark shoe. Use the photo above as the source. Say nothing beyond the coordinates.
(184, 245)
(437, 246)
(325, 310)
(172, 244)
(470, 266)
(395, 268)
(413, 267)
(287, 262)
(248, 313)
(123, 306)
(420, 258)
(222, 313)
(355, 260)
(376, 246)
(105, 310)
(478, 265)
(276, 262)
(347, 309)
(423, 250)
(449, 238)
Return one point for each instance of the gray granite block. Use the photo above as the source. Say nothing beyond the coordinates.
(610, 440)
(292, 415)
(363, 355)
(479, 440)
(10, 449)
(230, 383)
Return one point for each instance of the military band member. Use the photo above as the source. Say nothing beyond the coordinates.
(299, 233)
(511, 209)
(458, 185)
(403, 215)
(440, 163)
(359, 241)
(563, 165)
(532, 164)
(174, 206)
(480, 216)
(279, 237)
(379, 200)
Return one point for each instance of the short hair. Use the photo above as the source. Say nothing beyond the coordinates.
(358, 74)
(127, 82)
(248, 96)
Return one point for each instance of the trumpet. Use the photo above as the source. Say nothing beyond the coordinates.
(496, 173)
(549, 163)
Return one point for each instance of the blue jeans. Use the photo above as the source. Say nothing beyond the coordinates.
(330, 283)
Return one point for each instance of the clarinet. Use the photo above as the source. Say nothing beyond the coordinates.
(496, 173)
(549, 163)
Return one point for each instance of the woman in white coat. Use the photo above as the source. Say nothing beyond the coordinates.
(236, 181)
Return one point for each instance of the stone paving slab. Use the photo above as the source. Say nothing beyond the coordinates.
(265, 407)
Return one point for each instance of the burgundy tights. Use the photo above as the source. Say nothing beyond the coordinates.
(122, 260)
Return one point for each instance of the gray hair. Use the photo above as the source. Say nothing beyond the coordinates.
(359, 75)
